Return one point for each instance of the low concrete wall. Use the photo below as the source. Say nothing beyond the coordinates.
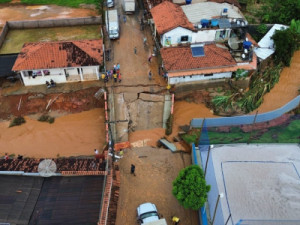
(25, 24)
(3, 34)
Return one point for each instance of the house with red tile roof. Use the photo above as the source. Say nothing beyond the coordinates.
(202, 41)
(171, 25)
(198, 62)
(195, 23)
(63, 61)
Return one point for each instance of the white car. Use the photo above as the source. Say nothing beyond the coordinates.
(147, 214)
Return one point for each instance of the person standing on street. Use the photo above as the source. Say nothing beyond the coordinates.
(150, 75)
(115, 77)
(132, 169)
(175, 220)
(135, 50)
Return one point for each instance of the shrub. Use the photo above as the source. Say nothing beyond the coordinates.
(285, 45)
(46, 118)
(190, 188)
(17, 121)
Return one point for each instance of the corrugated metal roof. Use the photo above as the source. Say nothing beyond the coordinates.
(266, 44)
(263, 53)
(209, 10)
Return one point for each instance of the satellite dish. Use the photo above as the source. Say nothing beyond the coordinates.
(233, 43)
(47, 168)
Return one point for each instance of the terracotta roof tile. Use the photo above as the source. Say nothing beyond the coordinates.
(181, 58)
(46, 55)
(246, 66)
(168, 16)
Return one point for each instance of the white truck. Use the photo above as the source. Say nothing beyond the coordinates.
(128, 6)
(112, 24)
(148, 215)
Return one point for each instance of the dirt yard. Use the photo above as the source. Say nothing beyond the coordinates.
(155, 171)
(15, 39)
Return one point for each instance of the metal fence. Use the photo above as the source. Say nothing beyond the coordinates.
(246, 119)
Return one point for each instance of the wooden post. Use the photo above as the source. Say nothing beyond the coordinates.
(250, 137)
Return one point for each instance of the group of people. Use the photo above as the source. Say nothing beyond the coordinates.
(50, 84)
(114, 74)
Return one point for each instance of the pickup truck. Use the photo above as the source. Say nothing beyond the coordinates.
(148, 215)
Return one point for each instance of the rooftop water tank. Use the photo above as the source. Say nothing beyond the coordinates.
(247, 44)
(214, 22)
(188, 2)
(204, 22)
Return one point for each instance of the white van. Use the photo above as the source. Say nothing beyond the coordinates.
(110, 3)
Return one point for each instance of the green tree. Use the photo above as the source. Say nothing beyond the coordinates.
(286, 43)
(279, 11)
(190, 188)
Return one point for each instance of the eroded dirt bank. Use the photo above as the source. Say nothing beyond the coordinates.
(33, 103)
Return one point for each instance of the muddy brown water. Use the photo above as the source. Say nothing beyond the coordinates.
(286, 89)
(70, 135)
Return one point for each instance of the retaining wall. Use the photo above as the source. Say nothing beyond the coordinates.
(182, 90)
(27, 24)
(3, 33)
(247, 119)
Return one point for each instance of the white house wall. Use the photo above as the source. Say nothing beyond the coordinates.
(174, 35)
(38, 80)
(193, 78)
(58, 75)
(204, 36)
(72, 71)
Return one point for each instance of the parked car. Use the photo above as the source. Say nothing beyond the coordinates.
(148, 215)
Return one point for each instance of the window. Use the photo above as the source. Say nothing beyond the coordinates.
(184, 38)
(208, 75)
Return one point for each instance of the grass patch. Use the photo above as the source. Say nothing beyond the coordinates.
(16, 38)
(4, 1)
(73, 3)
(279, 134)
(17, 121)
